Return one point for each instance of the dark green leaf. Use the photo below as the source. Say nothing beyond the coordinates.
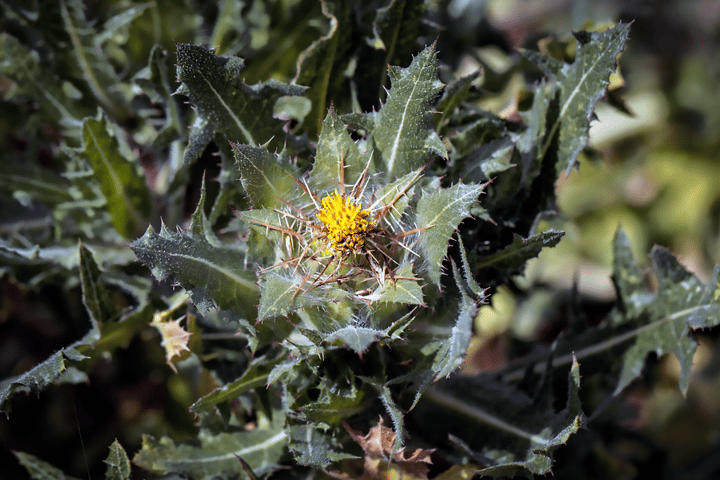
(23, 66)
(214, 275)
(127, 195)
(320, 66)
(515, 255)
(225, 104)
(255, 376)
(96, 70)
(497, 425)
(580, 85)
(662, 318)
(155, 82)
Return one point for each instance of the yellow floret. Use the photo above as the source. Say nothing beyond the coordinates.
(345, 223)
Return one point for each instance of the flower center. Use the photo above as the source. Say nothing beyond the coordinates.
(345, 223)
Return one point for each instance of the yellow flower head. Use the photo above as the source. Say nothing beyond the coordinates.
(345, 223)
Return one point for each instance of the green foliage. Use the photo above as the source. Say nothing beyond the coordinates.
(353, 224)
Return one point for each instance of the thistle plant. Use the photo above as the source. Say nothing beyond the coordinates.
(355, 204)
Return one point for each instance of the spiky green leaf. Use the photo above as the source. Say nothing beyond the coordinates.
(579, 86)
(215, 275)
(439, 213)
(214, 455)
(283, 294)
(267, 183)
(338, 157)
(402, 129)
(118, 464)
(663, 319)
(453, 349)
(224, 104)
(520, 251)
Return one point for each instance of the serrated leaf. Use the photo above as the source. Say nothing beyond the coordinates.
(214, 275)
(256, 375)
(312, 447)
(23, 66)
(281, 295)
(337, 157)
(401, 290)
(356, 338)
(35, 379)
(453, 349)
(118, 464)
(127, 195)
(39, 469)
(264, 180)
(663, 318)
(580, 85)
(402, 130)
(215, 455)
(224, 104)
(499, 426)
(440, 213)
(514, 256)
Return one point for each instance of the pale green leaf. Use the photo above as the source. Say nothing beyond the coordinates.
(40, 470)
(402, 129)
(453, 349)
(267, 183)
(336, 408)
(118, 464)
(401, 290)
(356, 338)
(124, 188)
(284, 294)
(337, 159)
(439, 213)
(214, 455)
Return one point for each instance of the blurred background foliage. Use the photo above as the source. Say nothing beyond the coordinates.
(652, 166)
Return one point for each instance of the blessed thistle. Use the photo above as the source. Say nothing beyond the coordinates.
(351, 236)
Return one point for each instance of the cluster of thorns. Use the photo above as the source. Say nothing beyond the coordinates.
(348, 241)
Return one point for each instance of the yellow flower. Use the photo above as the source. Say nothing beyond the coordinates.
(345, 224)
